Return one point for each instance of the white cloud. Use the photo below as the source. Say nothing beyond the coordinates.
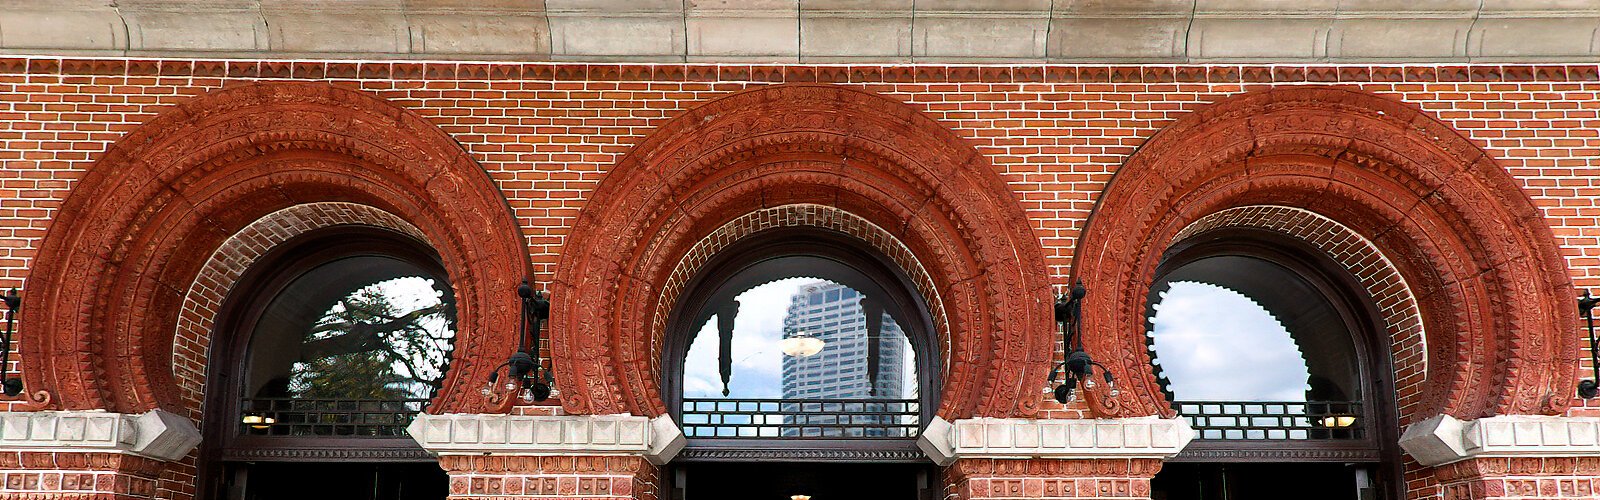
(1215, 344)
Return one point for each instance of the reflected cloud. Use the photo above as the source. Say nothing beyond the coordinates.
(1213, 343)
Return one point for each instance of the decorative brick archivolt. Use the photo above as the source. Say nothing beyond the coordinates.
(1484, 267)
(803, 144)
(113, 269)
(205, 297)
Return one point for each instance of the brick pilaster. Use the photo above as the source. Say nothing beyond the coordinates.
(1520, 478)
(550, 477)
(1055, 479)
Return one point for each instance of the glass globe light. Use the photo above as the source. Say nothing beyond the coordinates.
(801, 345)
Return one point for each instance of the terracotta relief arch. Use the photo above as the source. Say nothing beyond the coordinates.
(105, 293)
(1489, 280)
(864, 154)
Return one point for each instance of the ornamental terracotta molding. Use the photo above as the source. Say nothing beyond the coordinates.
(1485, 268)
(109, 280)
(803, 144)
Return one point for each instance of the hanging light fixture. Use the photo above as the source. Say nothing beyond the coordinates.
(11, 386)
(523, 370)
(1588, 389)
(801, 345)
(1079, 367)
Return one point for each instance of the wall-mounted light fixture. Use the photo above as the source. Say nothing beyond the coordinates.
(525, 376)
(1078, 365)
(1588, 389)
(11, 386)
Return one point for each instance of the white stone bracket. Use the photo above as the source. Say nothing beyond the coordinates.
(1443, 439)
(155, 434)
(655, 439)
(1142, 437)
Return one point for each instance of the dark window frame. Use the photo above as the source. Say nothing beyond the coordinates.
(228, 356)
(1355, 306)
(801, 252)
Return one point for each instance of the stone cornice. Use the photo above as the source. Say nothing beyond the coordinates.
(1444, 439)
(811, 31)
(1139, 437)
(155, 434)
(656, 439)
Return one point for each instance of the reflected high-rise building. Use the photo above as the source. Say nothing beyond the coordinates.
(833, 313)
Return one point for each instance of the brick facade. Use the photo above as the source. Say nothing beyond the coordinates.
(142, 170)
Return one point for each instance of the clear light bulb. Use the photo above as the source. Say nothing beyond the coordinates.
(1114, 391)
(526, 396)
(1088, 383)
(486, 391)
(511, 386)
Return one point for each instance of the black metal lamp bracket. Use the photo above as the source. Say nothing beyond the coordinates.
(1588, 389)
(1076, 363)
(11, 386)
(524, 372)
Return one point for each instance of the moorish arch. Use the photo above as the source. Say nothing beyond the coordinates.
(1483, 266)
(128, 242)
(873, 158)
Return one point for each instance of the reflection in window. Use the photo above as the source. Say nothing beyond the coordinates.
(355, 346)
(1218, 345)
(806, 358)
(1247, 349)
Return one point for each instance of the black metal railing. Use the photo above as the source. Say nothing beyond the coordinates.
(801, 418)
(1262, 420)
(327, 417)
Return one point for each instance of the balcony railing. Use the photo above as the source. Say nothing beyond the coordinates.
(1263, 420)
(327, 417)
(801, 418)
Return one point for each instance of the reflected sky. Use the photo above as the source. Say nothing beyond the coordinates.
(757, 362)
(1213, 343)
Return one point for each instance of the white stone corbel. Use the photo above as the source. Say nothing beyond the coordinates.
(655, 439)
(1142, 437)
(1443, 439)
(154, 434)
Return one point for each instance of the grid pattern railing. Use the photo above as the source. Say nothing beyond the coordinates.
(328, 417)
(801, 418)
(1263, 420)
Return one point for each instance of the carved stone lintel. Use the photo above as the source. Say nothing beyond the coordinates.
(656, 439)
(1140, 437)
(1443, 439)
(154, 434)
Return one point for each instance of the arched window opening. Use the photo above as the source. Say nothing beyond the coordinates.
(1269, 348)
(326, 349)
(800, 339)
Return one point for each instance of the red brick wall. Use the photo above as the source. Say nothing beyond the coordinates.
(548, 133)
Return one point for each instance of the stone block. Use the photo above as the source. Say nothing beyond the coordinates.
(979, 38)
(1117, 38)
(62, 30)
(836, 35)
(229, 31)
(579, 35)
(729, 35)
(1254, 39)
(1377, 39)
(479, 34)
(1535, 38)
(298, 31)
